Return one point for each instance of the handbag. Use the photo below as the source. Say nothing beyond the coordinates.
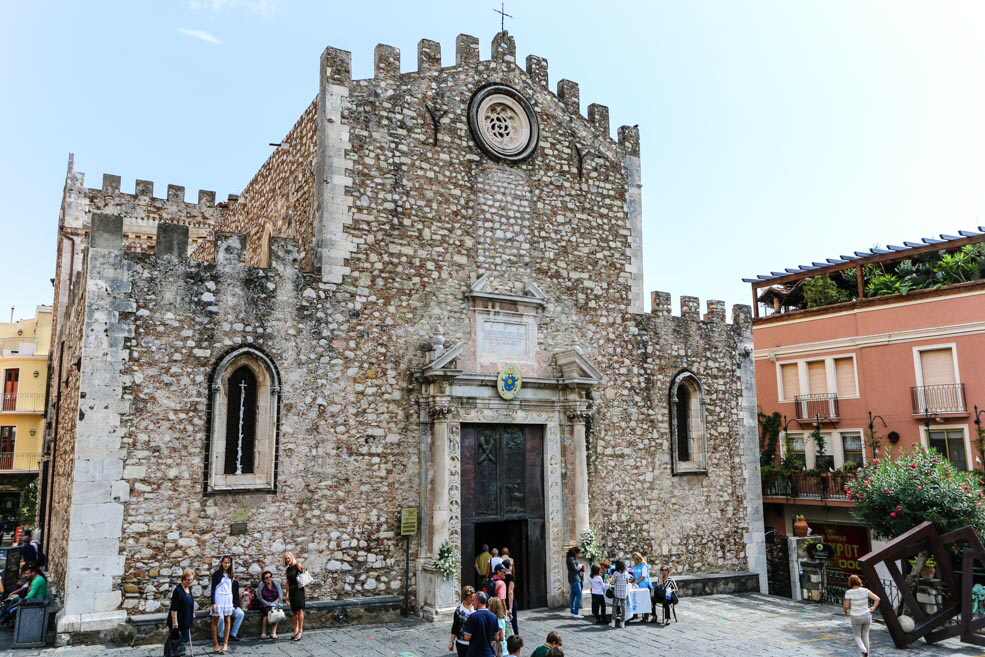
(304, 578)
(174, 646)
(609, 594)
(275, 615)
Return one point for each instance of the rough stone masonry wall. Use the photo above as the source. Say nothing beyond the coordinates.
(65, 398)
(696, 522)
(344, 463)
(142, 211)
(277, 202)
(426, 221)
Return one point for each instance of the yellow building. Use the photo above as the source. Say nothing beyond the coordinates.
(23, 373)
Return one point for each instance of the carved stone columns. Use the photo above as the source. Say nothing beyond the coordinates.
(439, 507)
(580, 483)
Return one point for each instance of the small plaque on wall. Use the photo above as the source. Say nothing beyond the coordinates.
(237, 529)
(240, 515)
(408, 521)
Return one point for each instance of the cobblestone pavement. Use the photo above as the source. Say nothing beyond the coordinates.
(723, 625)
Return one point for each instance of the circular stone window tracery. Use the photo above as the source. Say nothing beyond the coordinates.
(503, 123)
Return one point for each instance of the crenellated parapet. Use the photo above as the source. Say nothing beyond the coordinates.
(690, 310)
(171, 241)
(337, 70)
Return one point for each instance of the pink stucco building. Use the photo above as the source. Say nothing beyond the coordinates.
(880, 349)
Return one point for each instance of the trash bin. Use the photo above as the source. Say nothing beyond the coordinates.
(31, 625)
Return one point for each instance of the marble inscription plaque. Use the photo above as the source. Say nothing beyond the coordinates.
(506, 339)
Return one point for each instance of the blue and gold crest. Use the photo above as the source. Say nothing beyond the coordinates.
(509, 381)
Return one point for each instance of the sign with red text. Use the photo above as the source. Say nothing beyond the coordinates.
(848, 543)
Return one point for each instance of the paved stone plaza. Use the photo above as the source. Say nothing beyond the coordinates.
(726, 626)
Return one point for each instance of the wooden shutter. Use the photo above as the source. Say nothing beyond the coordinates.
(845, 375)
(937, 366)
(791, 381)
(817, 378)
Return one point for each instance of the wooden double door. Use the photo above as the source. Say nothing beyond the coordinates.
(503, 502)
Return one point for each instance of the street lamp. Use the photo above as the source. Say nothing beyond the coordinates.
(873, 442)
(927, 415)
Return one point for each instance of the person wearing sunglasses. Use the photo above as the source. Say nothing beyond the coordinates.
(271, 600)
(666, 592)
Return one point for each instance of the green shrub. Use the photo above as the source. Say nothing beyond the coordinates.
(893, 495)
(822, 291)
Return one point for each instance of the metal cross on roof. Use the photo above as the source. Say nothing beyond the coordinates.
(502, 16)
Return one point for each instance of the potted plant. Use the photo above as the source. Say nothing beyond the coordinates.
(929, 568)
(800, 527)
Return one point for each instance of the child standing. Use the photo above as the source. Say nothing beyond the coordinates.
(620, 590)
(598, 595)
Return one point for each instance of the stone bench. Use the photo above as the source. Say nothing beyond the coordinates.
(144, 629)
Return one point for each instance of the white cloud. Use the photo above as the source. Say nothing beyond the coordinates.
(262, 8)
(201, 35)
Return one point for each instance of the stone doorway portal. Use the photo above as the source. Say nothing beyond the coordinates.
(503, 502)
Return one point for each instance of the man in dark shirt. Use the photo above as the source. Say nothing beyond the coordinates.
(481, 629)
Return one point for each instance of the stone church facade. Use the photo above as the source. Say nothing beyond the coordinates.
(429, 296)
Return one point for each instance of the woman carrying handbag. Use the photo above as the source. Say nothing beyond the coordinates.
(271, 604)
(297, 579)
(665, 592)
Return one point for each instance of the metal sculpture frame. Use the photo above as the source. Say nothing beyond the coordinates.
(957, 599)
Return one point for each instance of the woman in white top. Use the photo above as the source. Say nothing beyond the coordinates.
(222, 604)
(857, 608)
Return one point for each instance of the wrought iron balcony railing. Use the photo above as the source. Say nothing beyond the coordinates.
(20, 461)
(812, 407)
(22, 402)
(942, 398)
(825, 486)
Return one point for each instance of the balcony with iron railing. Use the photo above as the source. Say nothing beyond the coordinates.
(822, 407)
(22, 402)
(804, 486)
(941, 398)
(17, 346)
(20, 461)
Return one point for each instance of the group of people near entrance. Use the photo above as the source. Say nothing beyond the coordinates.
(226, 608)
(32, 586)
(618, 582)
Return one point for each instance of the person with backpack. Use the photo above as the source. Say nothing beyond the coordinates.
(499, 583)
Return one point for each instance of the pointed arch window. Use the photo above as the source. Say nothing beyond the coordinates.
(243, 426)
(687, 425)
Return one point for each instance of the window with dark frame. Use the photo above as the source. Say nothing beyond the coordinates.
(241, 417)
(11, 377)
(7, 446)
(950, 444)
(683, 423)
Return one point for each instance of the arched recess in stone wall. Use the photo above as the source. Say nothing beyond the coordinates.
(688, 441)
(243, 422)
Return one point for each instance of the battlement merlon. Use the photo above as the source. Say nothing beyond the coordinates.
(336, 69)
(107, 234)
(661, 307)
(145, 189)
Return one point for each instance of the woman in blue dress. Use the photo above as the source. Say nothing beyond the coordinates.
(641, 576)
(181, 613)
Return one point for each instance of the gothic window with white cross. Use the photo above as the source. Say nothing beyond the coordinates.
(244, 396)
(687, 424)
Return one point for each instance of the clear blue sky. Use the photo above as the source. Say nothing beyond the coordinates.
(774, 132)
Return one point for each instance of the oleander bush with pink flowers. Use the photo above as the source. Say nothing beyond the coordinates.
(909, 486)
